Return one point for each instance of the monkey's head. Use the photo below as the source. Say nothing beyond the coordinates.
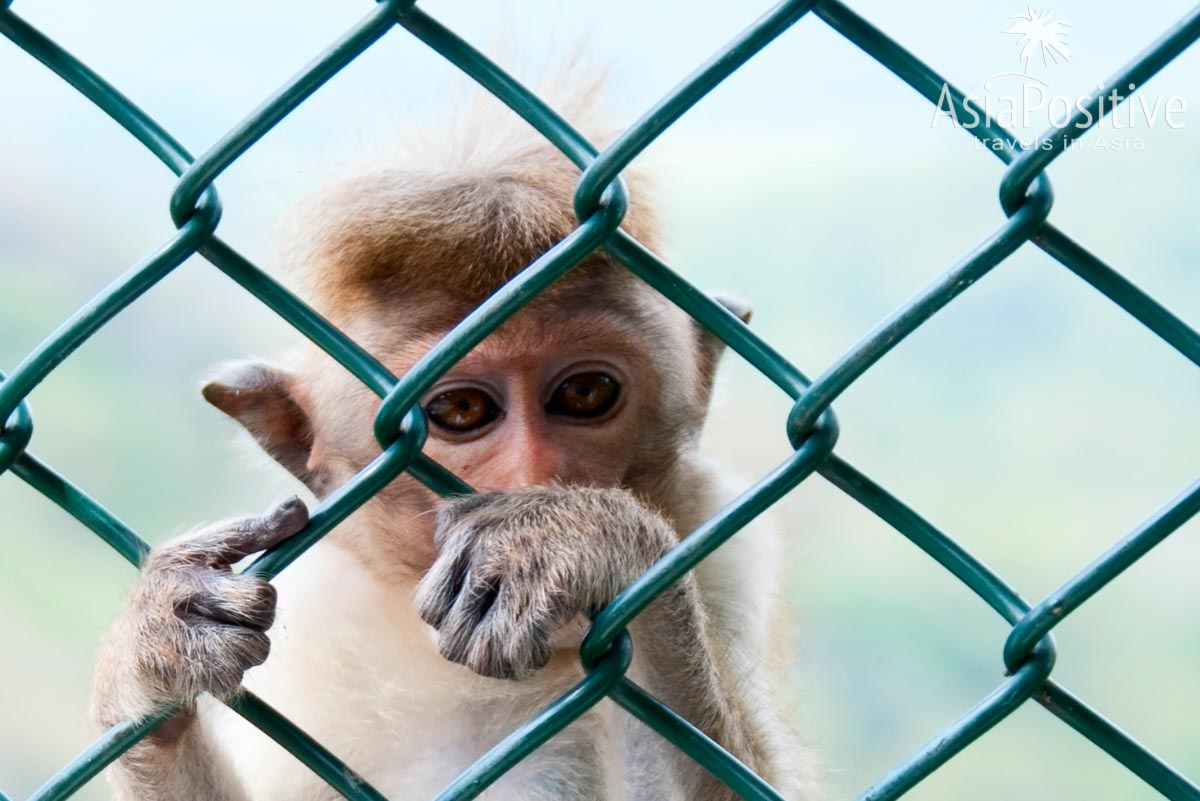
(599, 381)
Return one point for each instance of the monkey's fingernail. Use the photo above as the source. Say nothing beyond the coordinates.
(290, 511)
(288, 504)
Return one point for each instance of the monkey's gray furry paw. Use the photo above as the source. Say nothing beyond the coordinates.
(193, 625)
(516, 567)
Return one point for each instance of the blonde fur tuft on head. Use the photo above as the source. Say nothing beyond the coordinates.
(456, 209)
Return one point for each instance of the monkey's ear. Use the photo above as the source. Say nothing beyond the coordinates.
(740, 308)
(711, 347)
(261, 397)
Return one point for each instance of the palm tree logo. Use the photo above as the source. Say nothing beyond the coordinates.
(1039, 31)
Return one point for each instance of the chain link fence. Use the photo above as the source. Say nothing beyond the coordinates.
(600, 202)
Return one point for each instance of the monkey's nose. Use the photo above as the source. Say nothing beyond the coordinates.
(535, 470)
(537, 465)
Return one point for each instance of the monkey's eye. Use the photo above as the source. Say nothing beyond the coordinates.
(585, 395)
(463, 409)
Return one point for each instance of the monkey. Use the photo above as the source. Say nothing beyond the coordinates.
(421, 631)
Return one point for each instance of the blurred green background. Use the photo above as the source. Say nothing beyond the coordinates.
(1032, 420)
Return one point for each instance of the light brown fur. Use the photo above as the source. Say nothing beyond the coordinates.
(453, 223)
(571, 512)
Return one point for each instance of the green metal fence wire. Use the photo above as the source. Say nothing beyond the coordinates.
(600, 202)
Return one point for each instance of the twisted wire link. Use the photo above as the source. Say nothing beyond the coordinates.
(601, 200)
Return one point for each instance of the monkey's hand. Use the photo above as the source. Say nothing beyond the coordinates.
(515, 567)
(192, 625)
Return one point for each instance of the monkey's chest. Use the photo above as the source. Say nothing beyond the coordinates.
(356, 669)
(410, 742)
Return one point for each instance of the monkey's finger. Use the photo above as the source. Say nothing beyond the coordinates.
(500, 659)
(227, 652)
(510, 642)
(458, 626)
(233, 599)
(255, 534)
(222, 544)
(499, 628)
(455, 515)
(441, 586)
(227, 646)
(185, 659)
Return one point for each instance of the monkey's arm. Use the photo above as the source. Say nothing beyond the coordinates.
(515, 567)
(183, 765)
(191, 626)
(682, 663)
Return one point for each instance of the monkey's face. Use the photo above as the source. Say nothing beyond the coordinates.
(544, 402)
(563, 393)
